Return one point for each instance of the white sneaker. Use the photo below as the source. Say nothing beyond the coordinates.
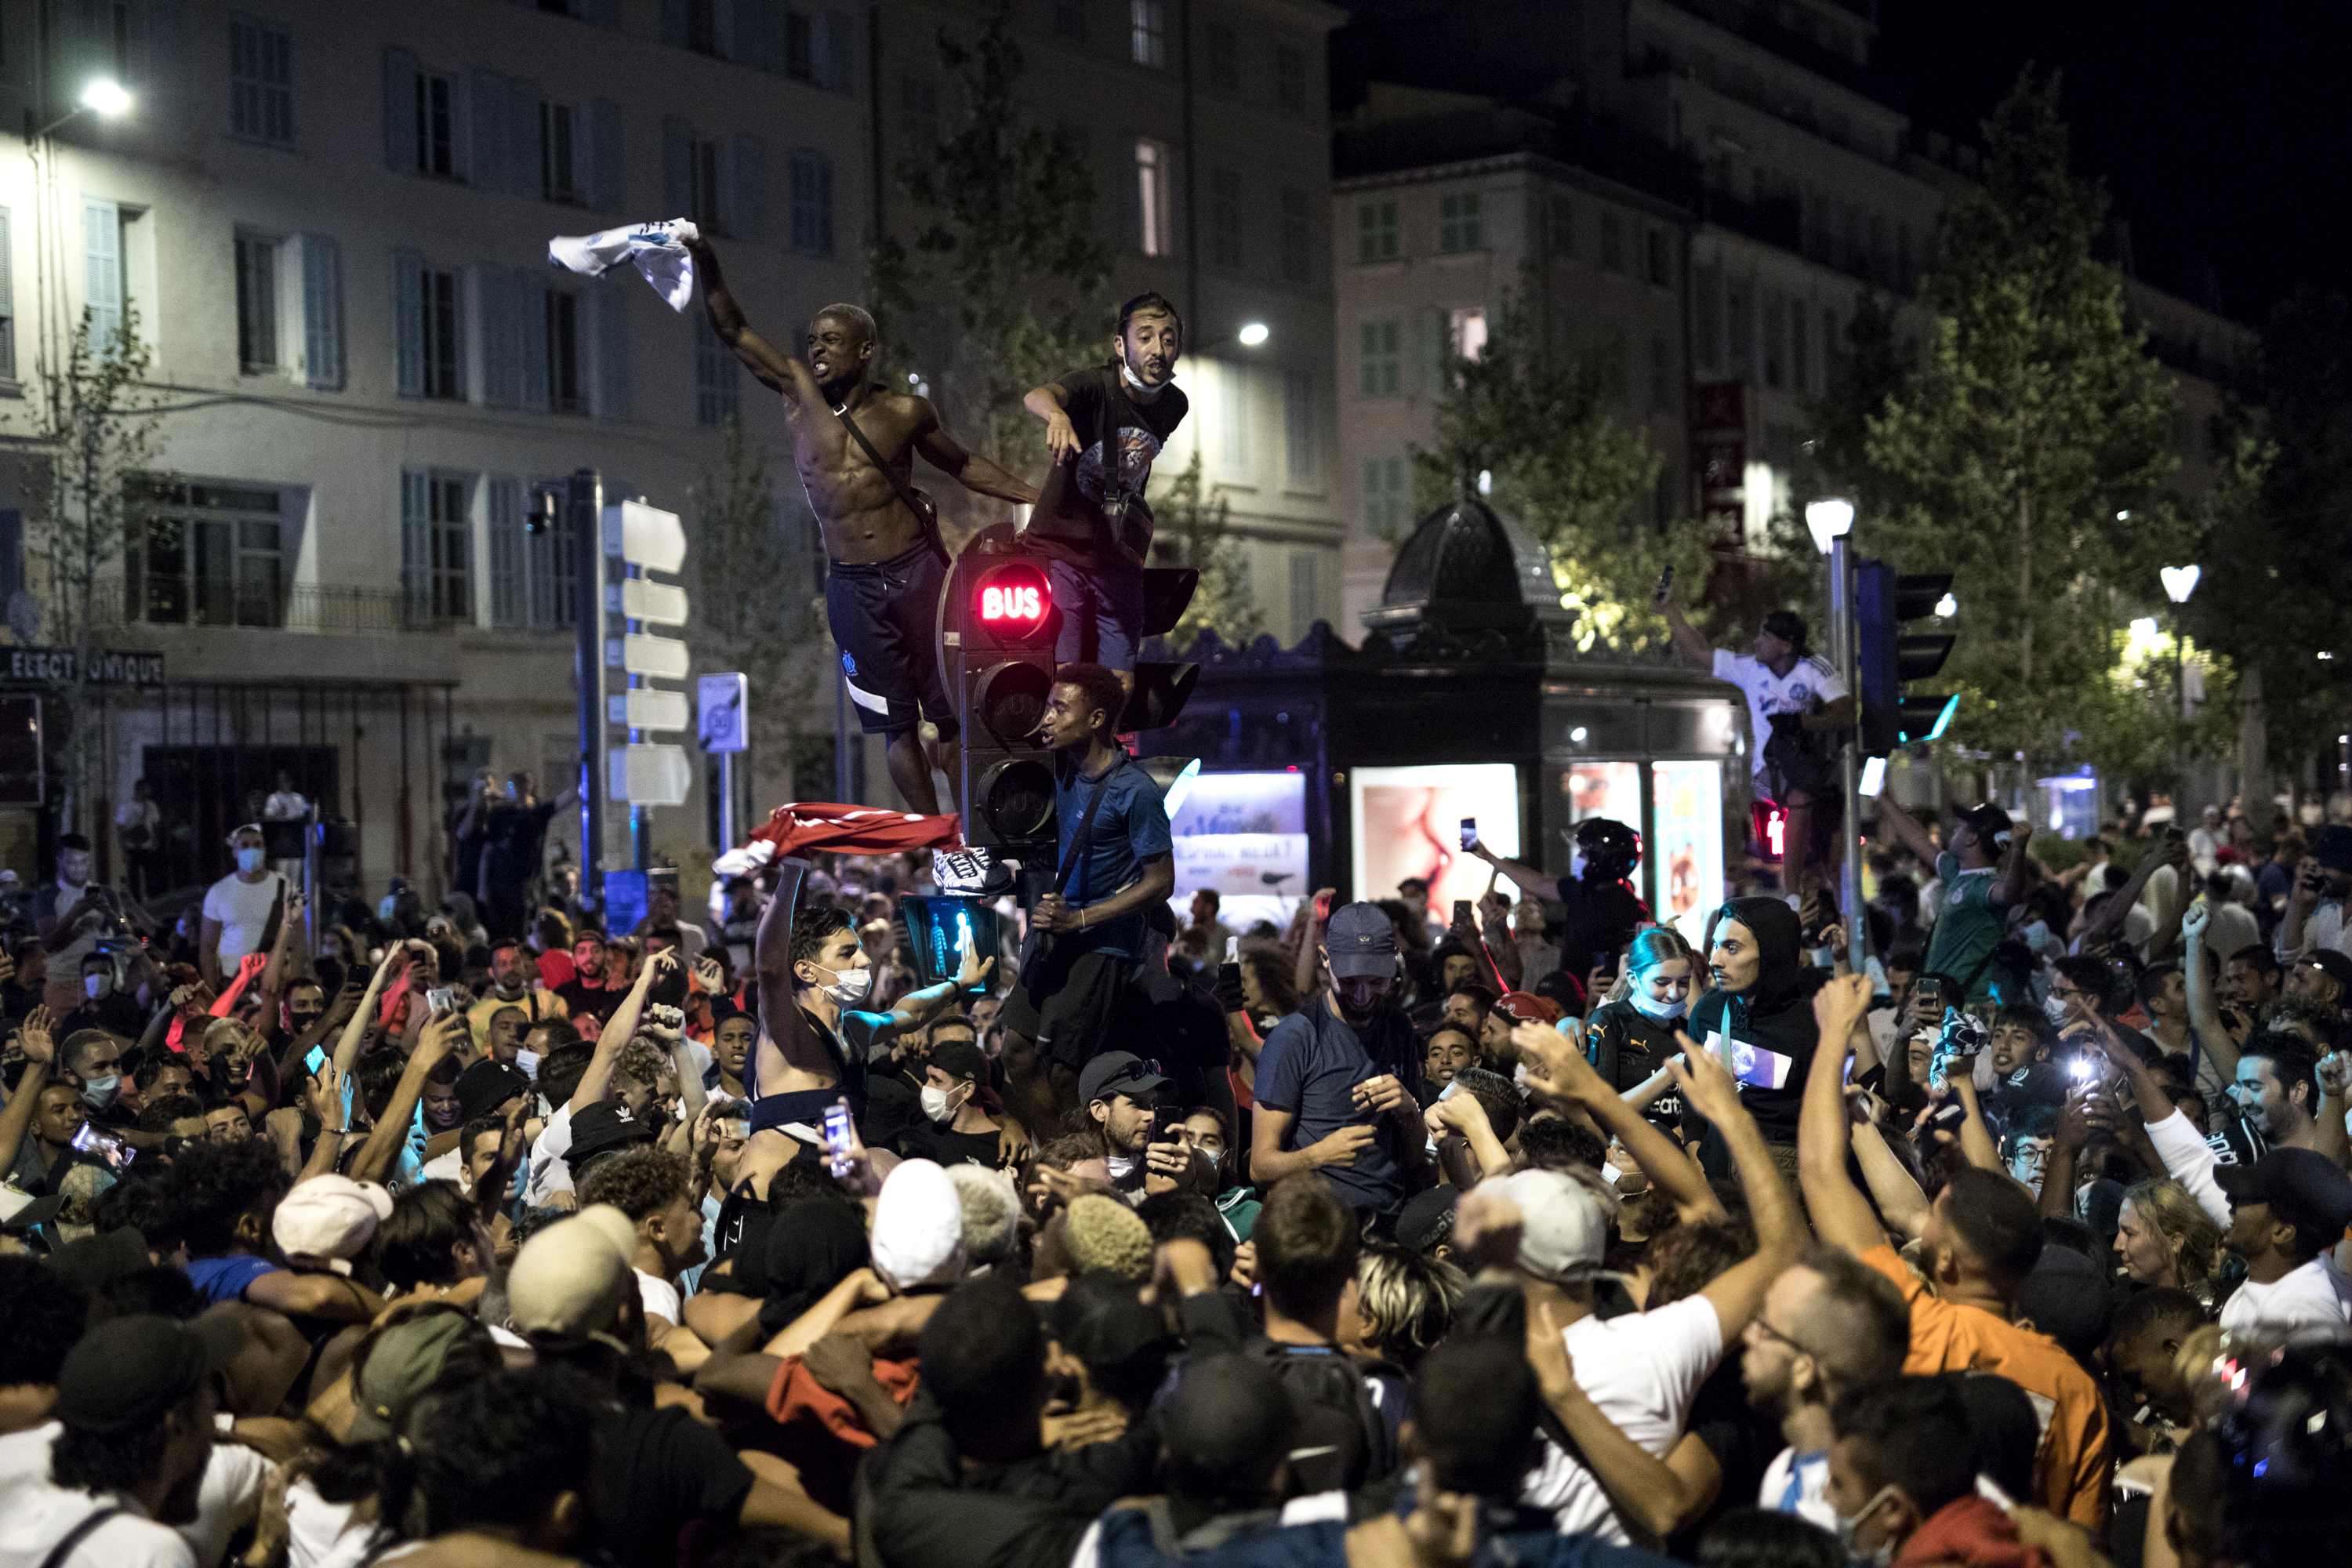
(959, 870)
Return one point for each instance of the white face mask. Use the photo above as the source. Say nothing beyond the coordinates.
(936, 1106)
(849, 985)
(97, 986)
(2054, 1007)
(249, 858)
(1881, 1554)
(1663, 1012)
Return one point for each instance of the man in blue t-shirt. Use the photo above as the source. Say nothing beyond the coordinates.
(1060, 1010)
(1335, 1081)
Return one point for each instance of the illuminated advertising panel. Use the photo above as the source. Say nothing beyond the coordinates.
(1408, 821)
(1686, 846)
(1613, 790)
(1243, 836)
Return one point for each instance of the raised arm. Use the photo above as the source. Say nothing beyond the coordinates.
(2204, 1010)
(1306, 963)
(41, 1054)
(917, 1008)
(2009, 886)
(784, 1035)
(1688, 640)
(2335, 1089)
(1556, 1065)
(1495, 933)
(1894, 819)
(762, 359)
(1707, 1089)
(1527, 879)
(1841, 1215)
(442, 1036)
(2111, 917)
(355, 1033)
(617, 1032)
(975, 473)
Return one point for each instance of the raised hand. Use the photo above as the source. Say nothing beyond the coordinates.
(1706, 1087)
(972, 969)
(1839, 1004)
(1556, 1064)
(35, 1036)
(709, 975)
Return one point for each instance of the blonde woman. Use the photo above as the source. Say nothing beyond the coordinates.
(2164, 1236)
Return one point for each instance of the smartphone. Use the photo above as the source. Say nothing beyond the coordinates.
(1469, 832)
(1322, 908)
(839, 1136)
(113, 1152)
(1461, 914)
(315, 1061)
(1666, 586)
(1232, 949)
(441, 998)
(1165, 1122)
(1930, 990)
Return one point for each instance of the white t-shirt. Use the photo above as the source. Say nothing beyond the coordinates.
(2312, 1296)
(284, 805)
(321, 1534)
(233, 1479)
(1800, 1485)
(242, 907)
(660, 1297)
(40, 1515)
(1809, 678)
(548, 1171)
(1642, 1370)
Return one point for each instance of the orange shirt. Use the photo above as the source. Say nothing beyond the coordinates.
(2070, 1469)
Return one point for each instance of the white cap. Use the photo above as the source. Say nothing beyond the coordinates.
(1564, 1223)
(917, 1233)
(328, 1219)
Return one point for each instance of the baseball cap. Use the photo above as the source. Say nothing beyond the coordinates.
(486, 1085)
(328, 1219)
(405, 1360)
(1989, 821)
(917, 1234)
(2333, 964)
(2331, 846)
(600, 1127)
(568, 1279)
(1118, 1072)
(1526, 1007)
(1789, 626)
(2302, 1186)
(1360, 941)
(1426, 1218)
(960, 1058)
(1563, 1225)
(132, 1372)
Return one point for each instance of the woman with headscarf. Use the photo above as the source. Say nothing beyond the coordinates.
(1759, 1018)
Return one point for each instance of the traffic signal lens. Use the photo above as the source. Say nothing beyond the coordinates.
(1009, 700)
(1015, 798)
(1014, 602)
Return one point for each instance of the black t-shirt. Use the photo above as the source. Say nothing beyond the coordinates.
(583, 1000)
(1144, 428)
(115, 1013)
(894, 1108)
(656, 1471)
(1601, 921)
(1784, 1025)
(945, 1146)
(1627, 1047)
(513, 842)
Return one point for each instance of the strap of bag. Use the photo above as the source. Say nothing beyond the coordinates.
(1085, 832)
(927, 519)
(78, 1534)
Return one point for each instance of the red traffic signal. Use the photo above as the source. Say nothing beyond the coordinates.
(1014, 603)
(1771, 824)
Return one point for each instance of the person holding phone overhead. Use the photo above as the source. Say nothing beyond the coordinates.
(1603, 910)
(1981, 875)
(1759, 1001)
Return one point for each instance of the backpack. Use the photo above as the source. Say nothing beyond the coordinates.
(1339, 1442)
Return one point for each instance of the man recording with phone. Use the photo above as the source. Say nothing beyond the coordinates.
(2315, 907)
(1604, 911)
(1797, 711)
(1980, 875)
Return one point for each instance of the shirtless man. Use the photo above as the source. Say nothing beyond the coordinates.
(882, 591)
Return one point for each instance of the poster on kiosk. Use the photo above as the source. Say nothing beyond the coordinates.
(1408, 821)
(1244, 837)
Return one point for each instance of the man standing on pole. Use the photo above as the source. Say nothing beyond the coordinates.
(853, 444)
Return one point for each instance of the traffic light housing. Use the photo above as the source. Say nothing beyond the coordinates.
(1889, 661)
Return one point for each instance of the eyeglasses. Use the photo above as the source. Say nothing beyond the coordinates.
(1758, 1322)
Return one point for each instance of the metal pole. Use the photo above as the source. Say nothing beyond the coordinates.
(585, 505)
(1842, 641)
(726, 801)
(841, 742)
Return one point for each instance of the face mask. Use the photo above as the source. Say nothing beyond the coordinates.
(529, 1062)
(97, 986)
(936, 1106)
(248, 860)
(2054, 1007)
(1880, 1555)
(849, 985)
(100, 1091)
(1651, 1007)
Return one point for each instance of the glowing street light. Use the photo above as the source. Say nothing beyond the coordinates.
(1252, 335)
(106, 97)
(1827, 521)
(1947, 608)
(2179, 582)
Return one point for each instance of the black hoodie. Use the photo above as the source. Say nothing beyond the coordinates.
(1776, 1014)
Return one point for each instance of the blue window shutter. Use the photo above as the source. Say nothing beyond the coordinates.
(744, 174)
(760, 34)
(523, 138)
(609, 309)
(603, 154)
(408, 320)
(486, 156)
(322, 313)
(102, 249)
(416, 544)
(527, 293)
(677, 167)
(400, 111)
(506, 602)
(493, 367)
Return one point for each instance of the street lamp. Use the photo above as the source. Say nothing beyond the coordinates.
(2179, 582)
(104, 97)
(1252, 335)
(1828, 521)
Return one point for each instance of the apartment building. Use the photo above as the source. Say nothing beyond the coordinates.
(1206, 129)
(331, 222)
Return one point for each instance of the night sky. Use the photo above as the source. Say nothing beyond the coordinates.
(2220, 130)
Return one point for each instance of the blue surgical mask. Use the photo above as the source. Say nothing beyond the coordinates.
(249, 858)
(100, 1091)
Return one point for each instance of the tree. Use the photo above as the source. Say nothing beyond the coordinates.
(89, 473)
(1545, 427)
(2027, 450)
(1193, 529)
(1000, 287)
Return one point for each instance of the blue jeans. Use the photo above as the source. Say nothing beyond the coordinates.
(1101, 607)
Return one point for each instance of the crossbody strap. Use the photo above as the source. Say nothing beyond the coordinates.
(79, 1533)
(1085, 831)
(928, 521)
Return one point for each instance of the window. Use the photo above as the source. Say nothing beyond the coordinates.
(7, 304)
(1302, 428)
(1457, 223)
(1386, 504)
(1297, 237)
(1148, 26)
(919, 112)
(261, 77)
(1466, 332)
(102, 281)
(1660, 259)
(1613, 243)
(812, 193)
(704, 183)
(207, 555)
(257, 304)
(1305, 591)
(436, 134)
(1376, 232)
(1562, 216)
(437, 547)
(1776, 337)
(566, 393)
(1223, 50)
(425, 317)
(562, 168)
(322, 313)
(1380, 359)
(1800, 354)
(800, 47)
(1225, 217)
(1152, 235)
(1662, 377)
(1289, 79)
(1070, 20)
(715, 397)
(701, 26)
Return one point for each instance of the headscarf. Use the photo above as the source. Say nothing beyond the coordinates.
(813, 1244)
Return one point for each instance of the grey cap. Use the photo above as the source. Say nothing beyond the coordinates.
(1360, 941)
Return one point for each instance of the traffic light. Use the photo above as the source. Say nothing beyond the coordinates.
(1004, 668)
(1889, 661)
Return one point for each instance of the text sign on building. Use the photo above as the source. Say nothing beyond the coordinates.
(61, 666)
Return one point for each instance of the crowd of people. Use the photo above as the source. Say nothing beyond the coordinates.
(1383, 1241)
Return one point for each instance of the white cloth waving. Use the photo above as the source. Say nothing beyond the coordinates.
(656, 250)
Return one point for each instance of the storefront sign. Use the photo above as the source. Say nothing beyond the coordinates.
(35, 665)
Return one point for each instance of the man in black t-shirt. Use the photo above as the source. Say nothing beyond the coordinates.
(1099, 537)
(1602, 908)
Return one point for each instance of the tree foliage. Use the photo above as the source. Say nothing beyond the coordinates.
(999, 290)
(755, 608)
(1546, 426)
(2026, 450)
(1194, 529)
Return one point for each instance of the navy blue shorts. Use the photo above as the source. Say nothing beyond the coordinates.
(1102, 611)
(885, 620)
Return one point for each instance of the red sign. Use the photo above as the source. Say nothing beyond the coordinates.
(1014, 601)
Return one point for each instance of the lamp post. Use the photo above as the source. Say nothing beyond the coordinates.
(1830, 522)
(2179, 582)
